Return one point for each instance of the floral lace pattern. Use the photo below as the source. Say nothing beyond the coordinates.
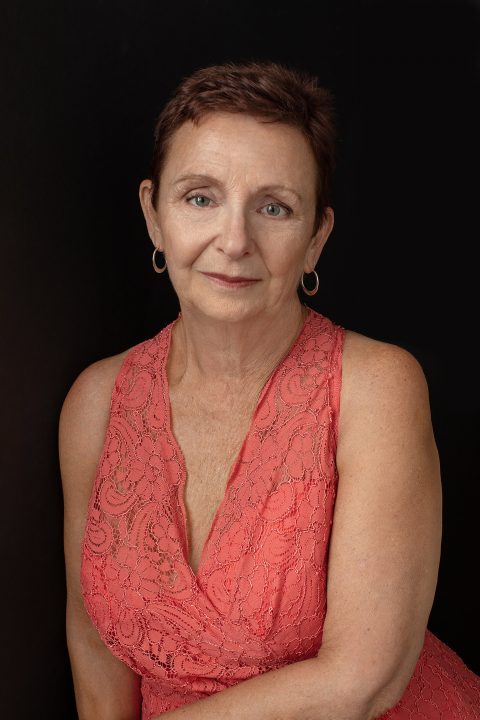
(258, 599)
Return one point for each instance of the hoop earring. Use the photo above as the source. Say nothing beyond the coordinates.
(155, 266)
(315, 289)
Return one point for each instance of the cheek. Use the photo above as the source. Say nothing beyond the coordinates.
(183, 245)
(284, 256)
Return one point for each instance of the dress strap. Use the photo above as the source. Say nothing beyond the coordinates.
(335, 381)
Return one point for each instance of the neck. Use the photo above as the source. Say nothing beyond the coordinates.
(227, 355)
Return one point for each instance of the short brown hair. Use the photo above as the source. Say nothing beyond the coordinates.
(267, 90)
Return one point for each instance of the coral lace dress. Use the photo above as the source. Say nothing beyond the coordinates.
(258, 600)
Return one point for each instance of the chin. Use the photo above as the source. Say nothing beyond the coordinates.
(227, 310)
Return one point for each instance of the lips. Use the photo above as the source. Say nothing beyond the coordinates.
(231, 278)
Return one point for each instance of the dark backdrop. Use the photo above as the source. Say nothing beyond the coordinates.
(81, 86)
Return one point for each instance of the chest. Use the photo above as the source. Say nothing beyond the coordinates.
(210, 441)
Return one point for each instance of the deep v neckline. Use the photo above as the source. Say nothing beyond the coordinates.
(179, 452)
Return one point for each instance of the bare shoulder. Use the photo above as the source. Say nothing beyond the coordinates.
(366, 359)
(381, 383)
(93, 386)
(84, 419)
(372, 365)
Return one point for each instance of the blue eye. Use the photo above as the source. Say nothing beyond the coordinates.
(199, 197)
(277, 210)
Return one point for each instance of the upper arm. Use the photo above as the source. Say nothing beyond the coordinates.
(104, 687)
(386, 534)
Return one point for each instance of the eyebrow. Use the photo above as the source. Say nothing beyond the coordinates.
(210, 180)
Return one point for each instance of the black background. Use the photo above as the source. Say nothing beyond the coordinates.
(81, 86)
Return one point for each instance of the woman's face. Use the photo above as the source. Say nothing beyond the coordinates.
(236, 198)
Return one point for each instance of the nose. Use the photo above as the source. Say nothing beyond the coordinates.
(234, 236)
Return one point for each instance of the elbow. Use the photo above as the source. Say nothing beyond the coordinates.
(370, 689)
(369, 702)
(382, 700)
(381, 693)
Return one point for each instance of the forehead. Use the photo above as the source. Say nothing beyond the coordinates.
(233, 146)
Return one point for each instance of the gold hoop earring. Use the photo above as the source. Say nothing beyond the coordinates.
(155, 266)
(315, 289)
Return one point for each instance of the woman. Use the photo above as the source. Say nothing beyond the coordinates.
(253, 463)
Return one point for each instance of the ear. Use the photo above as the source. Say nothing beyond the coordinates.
(317, 243)
(149, 213)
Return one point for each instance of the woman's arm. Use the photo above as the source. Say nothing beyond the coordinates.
(105, 688)
(383, 558)
(313, 689)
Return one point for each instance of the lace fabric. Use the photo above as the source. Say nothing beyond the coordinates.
(258, 599)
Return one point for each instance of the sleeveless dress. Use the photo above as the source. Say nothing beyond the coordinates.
(258, 600)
